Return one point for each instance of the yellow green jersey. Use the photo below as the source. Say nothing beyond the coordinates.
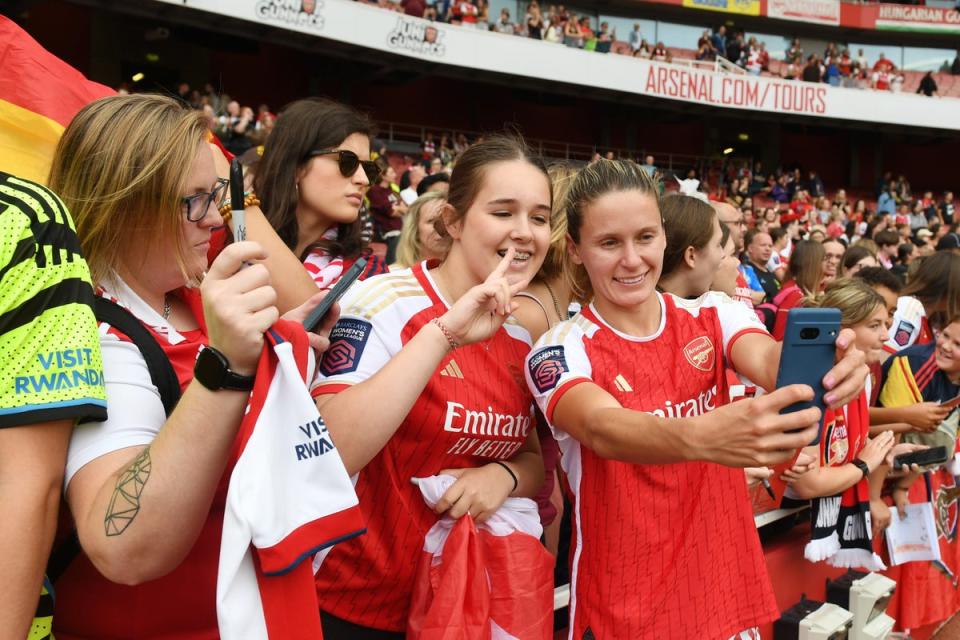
(50, 366)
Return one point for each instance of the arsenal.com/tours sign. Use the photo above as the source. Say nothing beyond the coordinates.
(374, 28)
(726, 90)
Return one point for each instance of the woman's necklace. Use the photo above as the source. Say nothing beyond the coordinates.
(166, 307)
(556, 305)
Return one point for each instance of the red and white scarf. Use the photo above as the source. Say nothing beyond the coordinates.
(840, 524)
(324, 268)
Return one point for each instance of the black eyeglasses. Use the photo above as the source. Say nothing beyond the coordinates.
(348, 162)
(198, 204)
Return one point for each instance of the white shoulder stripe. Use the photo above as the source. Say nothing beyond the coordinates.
(517, 331)
(558, 333)
(379, 291)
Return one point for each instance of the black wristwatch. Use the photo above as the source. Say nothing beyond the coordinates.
(212, 370)
(860, 464)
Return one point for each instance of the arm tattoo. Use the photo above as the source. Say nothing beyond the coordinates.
(125, 501)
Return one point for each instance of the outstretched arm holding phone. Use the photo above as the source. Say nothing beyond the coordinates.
(747, 433)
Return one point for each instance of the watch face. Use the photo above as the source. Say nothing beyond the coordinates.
(211, 368)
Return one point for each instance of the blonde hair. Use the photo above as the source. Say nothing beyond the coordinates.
(855, 299)
(867, 244)
(561, 177)
(590, 184)
(121, 167)
(409, 251)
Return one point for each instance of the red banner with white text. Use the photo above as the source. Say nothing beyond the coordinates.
(816, 11)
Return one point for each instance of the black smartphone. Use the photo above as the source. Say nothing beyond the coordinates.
(809, 348)
(926, 458)
(315, 318)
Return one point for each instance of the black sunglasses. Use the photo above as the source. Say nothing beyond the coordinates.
(198, 204)
(348, 162)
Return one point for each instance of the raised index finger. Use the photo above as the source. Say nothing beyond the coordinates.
(501, 269)
(232, 258)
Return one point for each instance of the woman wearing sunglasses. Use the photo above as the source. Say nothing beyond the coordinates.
(146, 488)
(315, 172)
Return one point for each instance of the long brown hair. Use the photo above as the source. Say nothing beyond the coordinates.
(806, 265)
(936, 282)
(687, 222)
(303, 126)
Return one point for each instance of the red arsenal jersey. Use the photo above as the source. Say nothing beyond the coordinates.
(476, 408)
(660, 550)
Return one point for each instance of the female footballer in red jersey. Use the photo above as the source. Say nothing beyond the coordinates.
(425, 376)
(634, 386)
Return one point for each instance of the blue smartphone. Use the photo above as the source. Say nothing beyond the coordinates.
(809, 348)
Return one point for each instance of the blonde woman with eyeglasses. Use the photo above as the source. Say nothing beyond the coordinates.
(146, 487)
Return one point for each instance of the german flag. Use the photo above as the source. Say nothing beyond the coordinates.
(39, 94)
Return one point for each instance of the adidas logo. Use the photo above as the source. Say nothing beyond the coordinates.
(452, 370)
(621, 383)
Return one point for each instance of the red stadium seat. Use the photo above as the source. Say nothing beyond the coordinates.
(623, 48)
(911, 80)
(682, 54)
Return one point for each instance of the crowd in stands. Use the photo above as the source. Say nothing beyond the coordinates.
(510, 335)
(837, 66)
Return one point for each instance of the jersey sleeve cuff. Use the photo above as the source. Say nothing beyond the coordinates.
(329, 388)
(82, 410)
(737, 336)
(302, 543)
(559, 393)
(78, 459)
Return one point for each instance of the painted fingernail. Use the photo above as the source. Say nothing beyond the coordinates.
(830, 398)
(828, 382)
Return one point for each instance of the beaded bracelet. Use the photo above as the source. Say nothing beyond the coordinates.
(446, 334)
(516, 482)
(249, 200)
